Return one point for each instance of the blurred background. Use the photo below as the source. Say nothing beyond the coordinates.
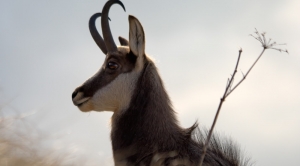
(46, 51)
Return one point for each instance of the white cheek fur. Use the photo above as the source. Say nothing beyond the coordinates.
(117, 94)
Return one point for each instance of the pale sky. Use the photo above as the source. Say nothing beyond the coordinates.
(47, 51)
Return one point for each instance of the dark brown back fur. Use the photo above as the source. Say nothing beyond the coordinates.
(149, 127)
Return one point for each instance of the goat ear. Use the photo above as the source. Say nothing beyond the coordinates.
(123, 41)
(136, 37)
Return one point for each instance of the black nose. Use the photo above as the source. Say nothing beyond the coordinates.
(74, 93)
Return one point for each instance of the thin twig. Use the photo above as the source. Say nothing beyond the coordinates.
(219, 108)
(228, 90)
(244, 77)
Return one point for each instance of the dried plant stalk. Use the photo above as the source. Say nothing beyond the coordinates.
(228, 90)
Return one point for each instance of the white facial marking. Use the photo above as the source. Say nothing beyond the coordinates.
(117, 94)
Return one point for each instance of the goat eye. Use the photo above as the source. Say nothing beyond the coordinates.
(112, 65)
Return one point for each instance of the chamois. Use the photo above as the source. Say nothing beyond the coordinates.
(145, 130)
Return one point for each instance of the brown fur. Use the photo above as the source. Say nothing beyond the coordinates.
(149, 127)
(145, 130)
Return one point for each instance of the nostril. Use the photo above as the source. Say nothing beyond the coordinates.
(74, 93)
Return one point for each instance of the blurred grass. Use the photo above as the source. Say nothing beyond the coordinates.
(23, 144)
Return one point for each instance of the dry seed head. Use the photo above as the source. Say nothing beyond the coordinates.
(267, 44)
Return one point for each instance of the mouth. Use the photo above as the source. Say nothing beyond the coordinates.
(80, 102)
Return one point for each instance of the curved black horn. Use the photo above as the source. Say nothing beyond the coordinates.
(108, 39)
(96, 36)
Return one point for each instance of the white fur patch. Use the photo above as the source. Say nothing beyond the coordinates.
(117, 94)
